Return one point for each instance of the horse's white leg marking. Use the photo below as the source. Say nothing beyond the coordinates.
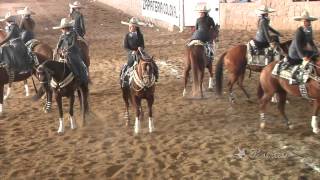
(211, 83)
(61, 126)
(315, 125)
(137, 125)
(26, 89)
(73, 123)
(263, 121)
(184, 93)
(7, 93)
(151, 125)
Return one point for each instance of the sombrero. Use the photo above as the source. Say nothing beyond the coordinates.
(264, 10)
(76, 4)
(65, 22)
(202, 7)
(25, 11)
(305, 16)
(133, 21)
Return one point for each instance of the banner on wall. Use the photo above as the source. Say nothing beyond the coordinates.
(164, 10)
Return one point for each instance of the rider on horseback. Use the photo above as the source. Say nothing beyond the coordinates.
(134, 45)
(76, 15)
(14, 54)
(68, 47)
(204, 26)
(27, 24)
(263, 39)
(302, 47)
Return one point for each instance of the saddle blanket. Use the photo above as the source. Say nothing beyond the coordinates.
(294, 74)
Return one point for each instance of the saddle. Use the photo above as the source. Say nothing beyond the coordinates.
(261, 57)
(30, 45)
(295, 74)
(209, 50)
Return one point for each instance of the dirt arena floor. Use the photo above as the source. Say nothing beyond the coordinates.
(194, 139)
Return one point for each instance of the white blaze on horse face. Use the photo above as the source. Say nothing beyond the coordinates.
(26, 89)
(61, 126)
(151, 125)
(73, 124)
(315, 125)
(137, 125)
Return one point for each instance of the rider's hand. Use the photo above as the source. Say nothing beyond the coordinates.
(133, 52)
(305, 59)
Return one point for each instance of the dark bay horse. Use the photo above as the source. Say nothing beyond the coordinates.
(57, 76)
(235, 61)
(141, 87)
(196, 61)
(270, 84)
(43, 53)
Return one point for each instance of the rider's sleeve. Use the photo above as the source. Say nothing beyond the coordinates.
(274, 31)
(82, 25)
(314, 47)
(126, 43)
(21, 25)
(299, 43)
(73, 40)
(141, 41)
(265, 27)
(8, 37)
(197, 24)
(212, 23)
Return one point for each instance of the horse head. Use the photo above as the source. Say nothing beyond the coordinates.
(145, 70)
(44, 75)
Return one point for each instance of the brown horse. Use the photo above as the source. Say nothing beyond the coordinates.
(141, 87)
(269, 85)
(196, 61)
(57, 76)
(235, 61)
(43, 53)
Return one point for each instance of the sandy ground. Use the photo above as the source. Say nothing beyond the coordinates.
(194, 139)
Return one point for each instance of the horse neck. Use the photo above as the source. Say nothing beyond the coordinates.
(60, 70)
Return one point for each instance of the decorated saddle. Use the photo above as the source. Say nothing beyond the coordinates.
(209, 48)
(261, 57)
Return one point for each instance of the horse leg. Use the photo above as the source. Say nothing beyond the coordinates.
(61, 121)
(314, 120)
(73, 123)
(1, 98)
(201, 82)
(186, 78)
(6, 96)
(240, 84)
(47, 107)
(151, 122)
(125, 96)
(137, 105)
(232, 80)
(281, 107)
(211, 82)
(263, 105)
(26, 88)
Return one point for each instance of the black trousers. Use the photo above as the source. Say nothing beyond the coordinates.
(261, 45)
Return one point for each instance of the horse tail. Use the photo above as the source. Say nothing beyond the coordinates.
(219, 73)
(260, 91)
(195, 70)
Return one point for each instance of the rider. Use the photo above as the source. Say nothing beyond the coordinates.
(262, 39)
(14, 53)
(204, 24)
(27, 24)
(302, 46)
(67, 46)
(76, 15)
(134, 43)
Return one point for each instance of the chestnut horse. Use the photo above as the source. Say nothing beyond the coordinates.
(235, 61)
(141, 87)
(43, 53)
(196, 61)
(270, 84)
(57, 76)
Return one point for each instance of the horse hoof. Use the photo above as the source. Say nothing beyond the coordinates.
(316, 131)
(262, 125)
(290, 126)
(5, 97)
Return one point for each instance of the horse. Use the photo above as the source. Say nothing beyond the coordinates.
(57, 77)
(269, 84)
(196, 60)
(141, 87)
(235, 61)
(43, 53)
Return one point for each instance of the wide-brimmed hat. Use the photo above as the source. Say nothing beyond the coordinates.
(202, 7)
(65, 22)
(8, 17)
(25, 11)
(133, 21)
(305, 16)
(76, 4)
(264, 10)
